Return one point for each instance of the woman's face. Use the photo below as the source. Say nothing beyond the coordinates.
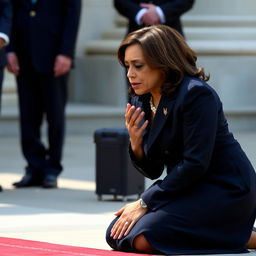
(143, 79)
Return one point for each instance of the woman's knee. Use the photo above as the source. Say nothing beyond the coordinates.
(141, 244)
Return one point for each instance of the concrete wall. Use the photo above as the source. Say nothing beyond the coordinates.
(224, 7)
(96, 16)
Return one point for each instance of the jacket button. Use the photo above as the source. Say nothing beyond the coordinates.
(32, 13)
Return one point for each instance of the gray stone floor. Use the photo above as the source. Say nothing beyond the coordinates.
(71, 214)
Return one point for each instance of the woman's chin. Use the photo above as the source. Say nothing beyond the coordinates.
(138, 91)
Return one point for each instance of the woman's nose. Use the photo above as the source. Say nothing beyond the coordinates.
(130, 73)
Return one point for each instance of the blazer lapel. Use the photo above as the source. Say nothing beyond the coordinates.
(164, 109)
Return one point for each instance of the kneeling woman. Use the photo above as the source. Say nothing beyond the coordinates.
(207, 201)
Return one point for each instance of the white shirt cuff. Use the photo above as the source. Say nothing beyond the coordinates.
(160, 14)
(5, 37)
(139, 15)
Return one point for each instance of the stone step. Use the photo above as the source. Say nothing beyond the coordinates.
(207, 21)
(201, 47)
(102, 47)
(8, 99)
(197, 33)
(218, 21)
(81, 119)
(114, 33)
(220, 33)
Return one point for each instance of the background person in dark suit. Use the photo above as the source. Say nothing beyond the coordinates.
(206, 203)
(40, 54)
(147, 13)
(5, 26)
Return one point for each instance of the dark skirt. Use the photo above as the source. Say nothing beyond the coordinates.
(216, 216)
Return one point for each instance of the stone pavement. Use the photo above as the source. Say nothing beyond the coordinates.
(71, 214)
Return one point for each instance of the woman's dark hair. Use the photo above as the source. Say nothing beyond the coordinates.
(164, 48)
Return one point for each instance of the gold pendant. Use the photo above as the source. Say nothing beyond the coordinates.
(165, 111)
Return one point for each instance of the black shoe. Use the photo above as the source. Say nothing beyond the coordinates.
(1, 189)
(50, 181)
(28, 180)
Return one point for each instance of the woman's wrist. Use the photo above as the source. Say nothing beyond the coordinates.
(138, 153)
(142, 203)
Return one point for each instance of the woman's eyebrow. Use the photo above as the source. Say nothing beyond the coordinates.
(134, 60)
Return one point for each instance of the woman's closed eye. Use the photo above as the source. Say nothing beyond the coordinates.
(138, 66)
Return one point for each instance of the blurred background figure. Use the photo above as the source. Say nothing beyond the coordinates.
(147, 13)
(40, 55)
(5, 26)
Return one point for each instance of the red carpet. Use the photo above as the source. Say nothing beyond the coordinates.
(20, 247)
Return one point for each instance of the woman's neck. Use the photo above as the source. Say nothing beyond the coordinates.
(155, 99)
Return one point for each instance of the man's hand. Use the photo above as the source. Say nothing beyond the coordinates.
(150, 17)
(13, 63)
(62, 65)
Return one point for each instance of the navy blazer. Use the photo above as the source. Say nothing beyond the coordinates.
(5, 24)
(172, 10)
(189, 135)
(43, 30)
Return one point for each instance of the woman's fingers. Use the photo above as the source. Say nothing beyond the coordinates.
(133, 117)
(117, 230)
(139, 119)
(128, 114)
(126, 229)
(133, 113)
(120, 228)
(144, 126)
(123, 229)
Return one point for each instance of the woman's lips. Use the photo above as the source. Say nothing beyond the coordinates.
(134, 85)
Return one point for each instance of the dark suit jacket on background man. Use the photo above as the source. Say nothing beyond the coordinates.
(172, 10)
(40, 54)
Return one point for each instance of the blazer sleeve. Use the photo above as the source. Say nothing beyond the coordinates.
(70, 27)
(127, 8)
(200, 115)
(174, 9)
(150, 168)
(5, 16)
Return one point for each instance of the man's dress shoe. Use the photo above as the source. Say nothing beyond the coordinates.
(28, 180)
(50, 181)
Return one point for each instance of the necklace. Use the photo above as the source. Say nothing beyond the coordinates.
(152, 107)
